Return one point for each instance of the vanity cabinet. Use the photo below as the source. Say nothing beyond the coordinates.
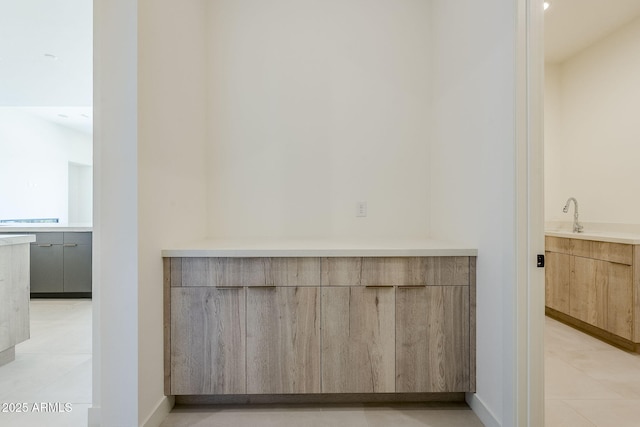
(593, 283)
(209, 340)
(283, 340)
(319, 325)
(432, 339)
(358, 339)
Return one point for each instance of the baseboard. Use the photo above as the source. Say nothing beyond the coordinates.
(162, 409)
(480, 409)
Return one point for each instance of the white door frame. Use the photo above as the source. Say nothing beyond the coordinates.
(530, 213)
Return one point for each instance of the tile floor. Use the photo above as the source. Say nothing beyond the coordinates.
(588, 384)
(53, 366)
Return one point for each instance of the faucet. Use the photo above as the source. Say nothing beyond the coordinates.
(577, 227)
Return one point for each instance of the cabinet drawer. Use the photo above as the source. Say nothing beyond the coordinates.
(612, 252)
(247, 272)
(79, 238)
(557, 244)
(396, 271)
(53, 238)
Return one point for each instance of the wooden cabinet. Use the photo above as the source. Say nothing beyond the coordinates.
(592, 282)
(287, 326)
(208, 340)
(14, 298)
(432, 339)
(358, 339)
(283, 340)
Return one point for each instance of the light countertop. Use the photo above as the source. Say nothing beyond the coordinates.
(43, 227)
(16, 239)
(319, 248)
(629, 238)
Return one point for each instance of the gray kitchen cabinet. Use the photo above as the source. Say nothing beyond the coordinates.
(47, 266)
(61, 264)
(77, 262)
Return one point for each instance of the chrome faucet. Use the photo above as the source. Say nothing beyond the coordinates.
(577, 227)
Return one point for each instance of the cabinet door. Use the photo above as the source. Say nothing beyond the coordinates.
(46, 267)
(283, 340)
(77, 267)
(588, 291)
(208, 341)
(620, 299)
(432, 339)
(557, 277)
(358, 340)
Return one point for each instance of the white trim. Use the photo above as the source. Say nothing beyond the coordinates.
(529, 399)
(476, 404)
(160, 412)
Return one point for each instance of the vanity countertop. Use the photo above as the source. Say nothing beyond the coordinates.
(319, 248)
(629, 238)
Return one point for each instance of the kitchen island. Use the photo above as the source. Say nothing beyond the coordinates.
(298, 321)
(14, 293)
(61, 258)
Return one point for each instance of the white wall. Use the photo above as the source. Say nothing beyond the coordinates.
(171, 169)
(314, 107)
(34, 165)
(473, 176)
(594, 153)
(368, 137)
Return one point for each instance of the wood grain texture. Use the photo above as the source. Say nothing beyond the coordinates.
(208, 349)
(166, 320)
(447, 271)
(432, 339)
(250, 272)
(341, 271)
(557, 281)
(398, 271)
(358, 340)
(588, 291)
(7, 339)
(557, 244)
(14, 295)
(20, 295)
(613, 252)
(283, 340)
(619, 300)
(636, 294)
(176, 271)
(472, 324)
(581, 248)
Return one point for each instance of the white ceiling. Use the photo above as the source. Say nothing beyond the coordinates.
(46, 58)
(572, 25)
(30, 30)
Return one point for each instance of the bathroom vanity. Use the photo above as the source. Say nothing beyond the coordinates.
(14, 293)
(593, 283)
(249, 321)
